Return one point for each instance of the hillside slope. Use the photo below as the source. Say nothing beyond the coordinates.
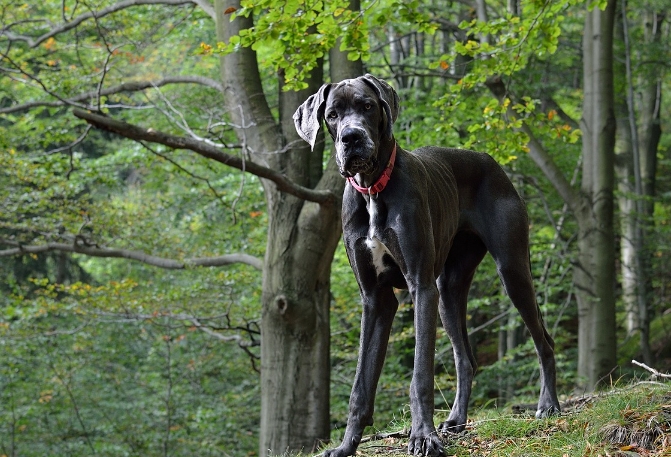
(626, 421)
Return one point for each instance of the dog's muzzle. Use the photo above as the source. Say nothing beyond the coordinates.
(355, 152)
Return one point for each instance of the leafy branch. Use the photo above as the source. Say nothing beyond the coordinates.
(537, 151)
(34, 42)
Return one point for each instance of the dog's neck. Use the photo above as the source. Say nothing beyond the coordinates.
(376, 181)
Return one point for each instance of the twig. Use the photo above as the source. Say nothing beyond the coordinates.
(380, 436)
(80, 419)
(655, 373)
(69, 147)
(168, 397)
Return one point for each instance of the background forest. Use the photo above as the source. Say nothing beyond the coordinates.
(171, 277)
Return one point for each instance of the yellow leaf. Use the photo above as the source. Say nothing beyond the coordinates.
(50, 43)
(552, 114)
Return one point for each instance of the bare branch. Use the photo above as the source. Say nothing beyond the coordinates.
(34, 42)
(81, 247)
(134, 132)
(134, 86)
(198, 322)
(179, 120)
(655, 373)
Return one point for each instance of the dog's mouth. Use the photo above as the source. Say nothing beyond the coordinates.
(356, 165)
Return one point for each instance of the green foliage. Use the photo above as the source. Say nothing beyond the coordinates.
(103, 356)
(117, 366)
(296, 35)
(293, 36)
(84, 372)
(506, 48)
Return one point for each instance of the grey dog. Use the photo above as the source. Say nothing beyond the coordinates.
(421, 220)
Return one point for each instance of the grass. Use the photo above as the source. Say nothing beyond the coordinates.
(624, 422)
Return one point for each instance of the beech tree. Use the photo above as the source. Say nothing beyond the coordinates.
(594, 273)
(639, 76)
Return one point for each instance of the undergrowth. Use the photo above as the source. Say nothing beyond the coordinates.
(623, 422)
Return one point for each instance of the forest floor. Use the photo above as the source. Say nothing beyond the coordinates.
(626, 421)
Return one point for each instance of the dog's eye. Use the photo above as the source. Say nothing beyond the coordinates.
(332, 115)
(367, 106)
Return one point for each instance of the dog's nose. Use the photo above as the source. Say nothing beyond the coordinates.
(351, 136)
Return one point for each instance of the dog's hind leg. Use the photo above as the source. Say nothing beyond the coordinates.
(510, 249)
(455, 281)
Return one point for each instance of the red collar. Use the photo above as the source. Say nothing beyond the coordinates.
(381, 182)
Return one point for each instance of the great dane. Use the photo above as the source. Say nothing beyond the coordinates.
(421, 220)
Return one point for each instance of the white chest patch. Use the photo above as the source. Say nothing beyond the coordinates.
(376, 247)
(377, 250)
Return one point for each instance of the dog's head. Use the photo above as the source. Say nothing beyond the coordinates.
(359, 115)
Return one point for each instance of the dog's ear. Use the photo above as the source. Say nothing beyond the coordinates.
(309, 116)
(388, 97)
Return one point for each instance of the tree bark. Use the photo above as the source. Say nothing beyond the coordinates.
(648, 127)
(632, 152)
(627, 206)
(594, 272)
(302, 236)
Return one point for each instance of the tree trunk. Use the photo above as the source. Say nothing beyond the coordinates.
(302, 237)
(638, 138)
(594, 273)
(627, 205)
(648, 135)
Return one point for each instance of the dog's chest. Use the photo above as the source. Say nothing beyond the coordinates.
(380, 255)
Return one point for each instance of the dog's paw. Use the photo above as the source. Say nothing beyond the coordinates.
(452, 426)
(337, 452)
(426, 445)
(548, 411)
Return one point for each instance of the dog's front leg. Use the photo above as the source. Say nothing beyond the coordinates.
(379, 308)
(423, 437)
